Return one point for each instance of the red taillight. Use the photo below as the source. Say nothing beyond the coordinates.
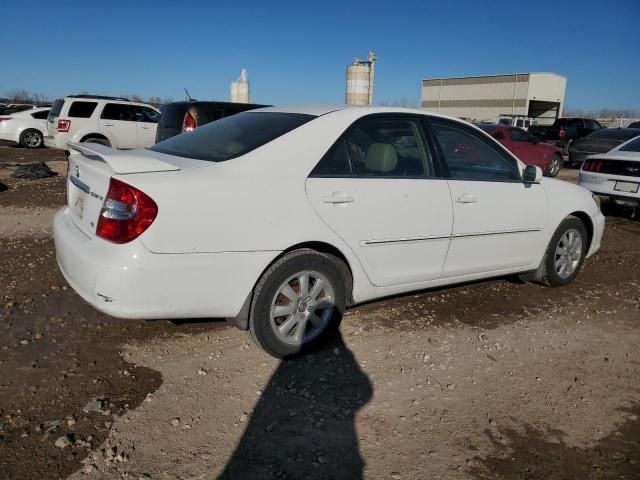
(189, 123)
(562, 133)
(64, 125)
(126, 213)
(592, 165)
(4, 119)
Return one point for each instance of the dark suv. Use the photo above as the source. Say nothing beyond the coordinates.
(178, 117)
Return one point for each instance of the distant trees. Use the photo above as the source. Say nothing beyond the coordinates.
(602, 113)
(20, 95)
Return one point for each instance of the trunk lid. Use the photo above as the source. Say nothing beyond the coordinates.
(91, 166)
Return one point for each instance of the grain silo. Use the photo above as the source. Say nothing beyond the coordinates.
(360, 81)
(240, 88)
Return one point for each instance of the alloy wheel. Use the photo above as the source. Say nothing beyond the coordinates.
(568, 253)
(302, 307)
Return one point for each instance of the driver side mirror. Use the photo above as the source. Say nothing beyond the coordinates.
(532, 174)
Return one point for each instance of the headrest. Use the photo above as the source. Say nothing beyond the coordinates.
(380, 158)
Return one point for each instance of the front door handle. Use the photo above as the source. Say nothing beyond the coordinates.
(338, 197)
(466, 198)
(108, 124)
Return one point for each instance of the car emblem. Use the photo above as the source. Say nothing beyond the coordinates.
(77, 171)
(634, 170)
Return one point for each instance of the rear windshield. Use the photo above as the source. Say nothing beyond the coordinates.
(614, 134)
(173, 115)
(632, 146)
(56, 108)
(232, 136)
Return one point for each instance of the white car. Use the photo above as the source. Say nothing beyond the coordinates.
(278, 218)
(26, 127)
(615, 175)
(111, 121)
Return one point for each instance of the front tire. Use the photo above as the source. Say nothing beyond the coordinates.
(554, 166)
(31, 138)
(297, 303)
(565, 254)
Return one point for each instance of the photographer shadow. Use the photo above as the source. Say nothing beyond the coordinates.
(303, 425)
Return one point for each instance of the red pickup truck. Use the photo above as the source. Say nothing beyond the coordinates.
(527, 148)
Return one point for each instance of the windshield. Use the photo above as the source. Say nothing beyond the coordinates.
(232, 136)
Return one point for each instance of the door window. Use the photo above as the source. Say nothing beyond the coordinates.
(498, 135)
(471, 157)
(518, 135)
(117, 111)
(145, 114)
(388, 147)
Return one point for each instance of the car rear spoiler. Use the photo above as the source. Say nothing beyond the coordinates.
(123, 161)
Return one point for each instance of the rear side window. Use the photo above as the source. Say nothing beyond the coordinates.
(40, 115)
(335, 162)
(82, 109)
(470, 157)
(232, 136)
(632, 146)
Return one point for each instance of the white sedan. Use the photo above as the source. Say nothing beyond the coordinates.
(25, 128)
(279, 218)
(615, 175)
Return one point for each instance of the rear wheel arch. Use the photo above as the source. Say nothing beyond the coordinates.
(242, 319)
(98, 136)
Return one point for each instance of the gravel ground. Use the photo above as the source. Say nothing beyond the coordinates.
(490, 380)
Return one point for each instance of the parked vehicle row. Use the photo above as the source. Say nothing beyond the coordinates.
(527, 148)
(26, 127)
(564, 131)
(600, 141)
(279, 218)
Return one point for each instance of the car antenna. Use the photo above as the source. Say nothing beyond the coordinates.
(188, 96)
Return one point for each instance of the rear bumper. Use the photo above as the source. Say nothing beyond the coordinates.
(128, 281)
(55, 141)
(604, 186)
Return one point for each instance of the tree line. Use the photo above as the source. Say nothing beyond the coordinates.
(20, 95)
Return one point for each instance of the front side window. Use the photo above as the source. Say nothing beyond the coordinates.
(388, 147)
(117, 111)
(145, 114)
(518, 135)
(82, 109)
(471, 157)
(233, 136)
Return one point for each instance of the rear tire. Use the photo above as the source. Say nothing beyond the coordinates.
(101, 141)
(554, 166)
(31, 138)
(297, 303)
(565, 254)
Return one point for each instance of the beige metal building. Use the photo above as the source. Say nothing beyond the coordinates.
(487, 98)
(240, 88)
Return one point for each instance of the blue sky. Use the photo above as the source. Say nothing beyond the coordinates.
(297, 52)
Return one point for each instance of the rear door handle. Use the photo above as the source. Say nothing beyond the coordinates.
(338, 197)
(108, 124)
(466, 198)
